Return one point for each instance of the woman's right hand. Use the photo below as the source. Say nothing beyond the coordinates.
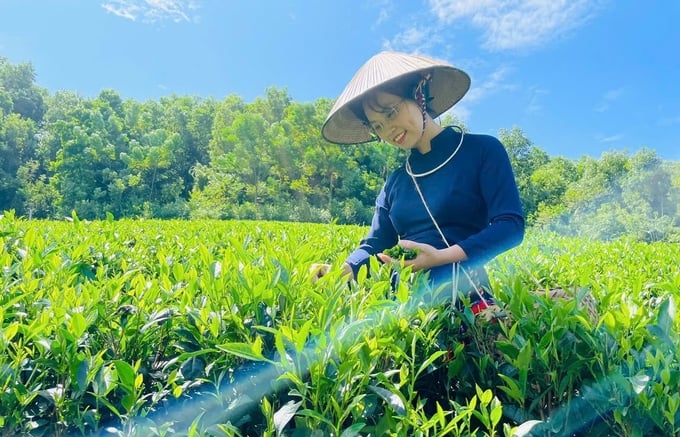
(319, 270)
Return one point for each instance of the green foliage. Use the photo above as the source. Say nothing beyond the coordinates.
(525, 159)
(397, 252)
(213, 328)
(182, 157)
(618, 196)
(17, 83)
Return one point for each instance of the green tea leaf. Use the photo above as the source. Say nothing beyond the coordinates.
(126, 374)
(243, 350)
(393, 400)
(354, 430)
(284, 415)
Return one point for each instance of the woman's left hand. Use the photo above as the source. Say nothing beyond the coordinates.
(428, 256)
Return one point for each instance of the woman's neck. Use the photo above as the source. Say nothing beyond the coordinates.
(432, 129)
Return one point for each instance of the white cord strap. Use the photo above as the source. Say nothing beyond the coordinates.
(456, 267)
(429, 172)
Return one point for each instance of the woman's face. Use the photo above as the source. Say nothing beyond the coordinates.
(394, 119)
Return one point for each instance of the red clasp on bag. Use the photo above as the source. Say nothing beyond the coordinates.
(479, 306)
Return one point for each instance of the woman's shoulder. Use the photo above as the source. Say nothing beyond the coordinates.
(485, 140)
(484, 144)
(396, 174)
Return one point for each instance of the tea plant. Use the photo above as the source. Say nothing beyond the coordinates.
(209, 328)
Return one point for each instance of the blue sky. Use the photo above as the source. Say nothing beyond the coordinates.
(578, 77)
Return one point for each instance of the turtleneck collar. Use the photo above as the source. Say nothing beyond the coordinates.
(442, 145)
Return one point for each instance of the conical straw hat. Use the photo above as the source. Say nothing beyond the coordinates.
(447, 86)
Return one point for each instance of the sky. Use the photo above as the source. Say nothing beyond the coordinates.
(578, 77)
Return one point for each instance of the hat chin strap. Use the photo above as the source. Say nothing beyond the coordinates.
(422, 100)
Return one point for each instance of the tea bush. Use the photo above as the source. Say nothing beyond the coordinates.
(214, 328)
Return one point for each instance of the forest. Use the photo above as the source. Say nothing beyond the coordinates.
(187, 157)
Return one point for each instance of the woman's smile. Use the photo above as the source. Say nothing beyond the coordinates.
(399, 139)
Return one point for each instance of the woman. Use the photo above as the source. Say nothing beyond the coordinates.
(455, 199)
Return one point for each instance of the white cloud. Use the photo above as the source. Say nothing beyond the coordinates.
(611, 138)
(535, 100)
(384, 8)
(496, 80)
(151, 11)
(383, 15)
(516, 24)
(608, 97)
(416, 39)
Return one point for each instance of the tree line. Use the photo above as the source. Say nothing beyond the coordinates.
(191, 157)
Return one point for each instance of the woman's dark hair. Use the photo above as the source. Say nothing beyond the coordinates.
(404, 87)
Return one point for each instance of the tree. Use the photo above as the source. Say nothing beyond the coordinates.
(191, 119)
(17, 146)
(274, 106)
(550, 182)
(525, 159)
(267, 159)
(17, 81)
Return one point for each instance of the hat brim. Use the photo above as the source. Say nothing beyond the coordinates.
(446, 87)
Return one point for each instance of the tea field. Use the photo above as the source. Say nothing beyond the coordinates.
(215, 328)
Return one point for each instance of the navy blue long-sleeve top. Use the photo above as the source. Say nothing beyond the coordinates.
(474, 199)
